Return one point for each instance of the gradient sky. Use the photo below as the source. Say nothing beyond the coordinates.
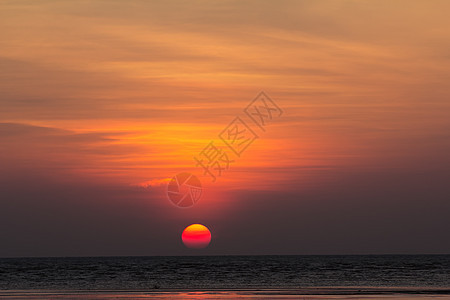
(102, 102)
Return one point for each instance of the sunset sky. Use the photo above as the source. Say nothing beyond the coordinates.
(103, 102)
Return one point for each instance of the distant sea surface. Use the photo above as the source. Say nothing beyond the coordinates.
(224, 272)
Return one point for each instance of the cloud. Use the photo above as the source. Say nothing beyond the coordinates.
(154, 182)
(103, 101)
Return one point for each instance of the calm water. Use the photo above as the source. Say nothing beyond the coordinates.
(217, 272)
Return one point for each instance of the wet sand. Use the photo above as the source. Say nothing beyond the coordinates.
(305, 294)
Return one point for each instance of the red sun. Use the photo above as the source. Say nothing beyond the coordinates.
(196, 236)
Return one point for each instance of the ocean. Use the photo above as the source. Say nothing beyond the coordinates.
(224, 272)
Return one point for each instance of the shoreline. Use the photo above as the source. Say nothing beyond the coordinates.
(417, 293)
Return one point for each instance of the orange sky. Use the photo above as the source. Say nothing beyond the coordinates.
(129, 92)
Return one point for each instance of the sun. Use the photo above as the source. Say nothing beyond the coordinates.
(196, 236)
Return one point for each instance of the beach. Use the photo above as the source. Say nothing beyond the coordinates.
(304, 294)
